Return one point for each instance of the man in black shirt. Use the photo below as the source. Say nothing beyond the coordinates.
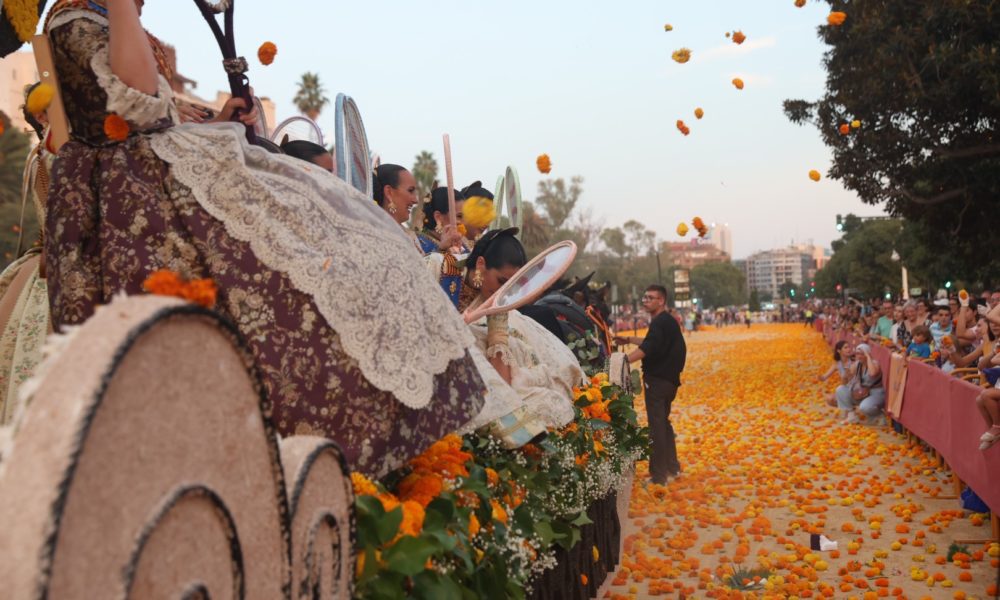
(663, 353)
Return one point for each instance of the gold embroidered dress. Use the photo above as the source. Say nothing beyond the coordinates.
(350, 336)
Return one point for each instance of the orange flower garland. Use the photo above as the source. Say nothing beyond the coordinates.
(168, 283)
(116, 128)
(266, 53)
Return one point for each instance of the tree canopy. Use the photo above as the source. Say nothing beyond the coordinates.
(923, 79)
(718, 284)
(862, 259)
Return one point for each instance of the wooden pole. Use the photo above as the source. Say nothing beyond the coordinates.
(451, 181)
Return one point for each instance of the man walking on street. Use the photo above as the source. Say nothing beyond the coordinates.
(662, 353)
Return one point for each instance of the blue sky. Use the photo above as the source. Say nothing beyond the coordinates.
(591, 84)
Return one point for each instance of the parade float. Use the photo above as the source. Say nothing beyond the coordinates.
(141, 461)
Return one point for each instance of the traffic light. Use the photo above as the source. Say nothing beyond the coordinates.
(792, 292)
(840, 223)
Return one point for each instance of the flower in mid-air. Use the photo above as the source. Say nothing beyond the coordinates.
(682, 56)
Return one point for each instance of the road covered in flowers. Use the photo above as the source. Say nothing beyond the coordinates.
(765, 465)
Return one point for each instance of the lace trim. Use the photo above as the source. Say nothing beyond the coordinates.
(501, 350)
(129, 103)
(500, 399)
(66, 16)
(334, 244)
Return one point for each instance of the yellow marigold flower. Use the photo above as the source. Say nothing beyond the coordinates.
(595, 553)
(23, 16)
(682, 229)
(40, 98)
(738, 83)
(478, 212)
(814, 175)
(681, 56)
(668, 27)
(499, 514)
(855, 124)
(836, 18)
(266, 53)
(699, 113)
(544, 163)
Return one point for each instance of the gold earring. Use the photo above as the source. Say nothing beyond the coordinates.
(477, 278)
(392, 207)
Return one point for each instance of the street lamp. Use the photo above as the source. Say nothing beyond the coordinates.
(906, 280)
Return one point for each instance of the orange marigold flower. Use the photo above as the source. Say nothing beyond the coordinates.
(499, 514)
(682, 127)
(738, 83)
(845, 129)
(699, 113)
(681, 56)
(544, 163)
(738, 37)
(800, 3)
(116, 128)
(473, 525)
(836, 18)
(163, 283)
(814, 175)
(583, 579)
(362, 485)
(413, 519)
(266, 53)
(492, 478)
(201, 292)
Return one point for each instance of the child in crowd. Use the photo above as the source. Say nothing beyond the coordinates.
(988, 402)
(941, 325)
(843, 366)
(919, 347)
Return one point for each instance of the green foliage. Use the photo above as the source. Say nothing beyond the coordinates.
(310, 97)
(425, 171)
(718, 284)
(743, 578)
(14, 148)
(921, 76)
(755, 300)
(862, 259)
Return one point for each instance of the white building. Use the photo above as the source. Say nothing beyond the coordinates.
(767, 270)
(721, 237)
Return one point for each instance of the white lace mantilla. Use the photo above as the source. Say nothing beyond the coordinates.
(334, 244)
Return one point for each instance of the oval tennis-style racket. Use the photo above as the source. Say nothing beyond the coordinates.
(354, 163)
(528, 283)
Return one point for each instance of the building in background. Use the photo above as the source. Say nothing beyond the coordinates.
(688, 255)
(721, 237)
(767, 270)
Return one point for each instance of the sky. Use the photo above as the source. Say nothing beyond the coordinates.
(590, 84)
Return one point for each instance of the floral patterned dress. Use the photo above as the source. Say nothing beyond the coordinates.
(351, 338)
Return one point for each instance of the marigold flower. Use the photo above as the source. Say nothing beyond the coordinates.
(682, 55)
(116, 128)
(682, 127)
(362, 485)
(413, 519)
(201, 292)
(699, 113)
(855, 124)
(738, 83)
(40, 98)
(163, 283)
(544, 164)
(668, 27)
(266, 53)
(499, 514)
(23, 17)
(814, 175)
(739, 37)
(583, 579)
(682, 229)
(478, 212)
(836, 18)
(473, 525)
(800, 3)
(845, 129)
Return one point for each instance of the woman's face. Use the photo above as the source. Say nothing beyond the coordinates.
(897, 314)
(442, 218)
(401, 198)
(910, 313)
(493, 278)
(847, 351)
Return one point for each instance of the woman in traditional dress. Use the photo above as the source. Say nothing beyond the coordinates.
(536, 364)
(24, 299)
(348, 334)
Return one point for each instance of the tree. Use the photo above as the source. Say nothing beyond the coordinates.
(789, 290)
(920, 77)
(862, 259)
(14, 148)
(557, 200)
(310, 98)
(718, 284)
(425, 171)
(536, 232)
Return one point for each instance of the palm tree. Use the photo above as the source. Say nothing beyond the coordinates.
(310, 97)
(425, 170)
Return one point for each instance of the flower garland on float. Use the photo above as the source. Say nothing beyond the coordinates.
(469, 517)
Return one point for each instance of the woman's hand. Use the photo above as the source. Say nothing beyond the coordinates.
(192, 113)
(249, 117)
(450, 237)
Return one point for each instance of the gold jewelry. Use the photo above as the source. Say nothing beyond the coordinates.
(391, 208)
(439, 229)
(477, 279)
